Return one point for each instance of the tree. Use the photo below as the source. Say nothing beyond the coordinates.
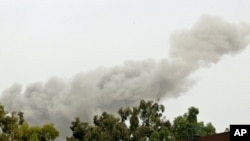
(188, 124)
(48, 132)
(13, 127)
(139, 123)
(106, 127)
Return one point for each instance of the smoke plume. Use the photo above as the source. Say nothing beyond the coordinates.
(107, 89)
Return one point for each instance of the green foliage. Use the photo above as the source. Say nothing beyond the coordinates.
(144, 122)
(48, 132)
(140, 123)
(188, 125)
(14, 128)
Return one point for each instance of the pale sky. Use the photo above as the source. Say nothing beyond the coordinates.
(42, 39)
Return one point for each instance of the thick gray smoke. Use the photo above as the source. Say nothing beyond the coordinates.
(107, 89)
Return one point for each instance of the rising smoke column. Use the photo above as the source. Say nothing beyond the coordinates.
(107, 89)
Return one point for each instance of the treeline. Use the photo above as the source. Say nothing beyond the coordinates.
(144, 122)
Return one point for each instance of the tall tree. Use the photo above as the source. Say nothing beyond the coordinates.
(188, 125)
(13, 127)
(139, 123)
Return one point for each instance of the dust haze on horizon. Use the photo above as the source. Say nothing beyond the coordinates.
(106, 89)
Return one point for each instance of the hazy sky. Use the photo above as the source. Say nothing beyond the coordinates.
(43, 39)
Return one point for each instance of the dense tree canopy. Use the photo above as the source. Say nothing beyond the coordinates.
(14, 128)
(140, 123)
(188, 125)
(144, 122)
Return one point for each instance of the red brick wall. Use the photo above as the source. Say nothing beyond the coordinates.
(215, 137)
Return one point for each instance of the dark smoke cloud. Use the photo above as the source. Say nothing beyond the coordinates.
(107, 89)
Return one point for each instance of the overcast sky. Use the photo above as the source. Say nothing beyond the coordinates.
(43, 39)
